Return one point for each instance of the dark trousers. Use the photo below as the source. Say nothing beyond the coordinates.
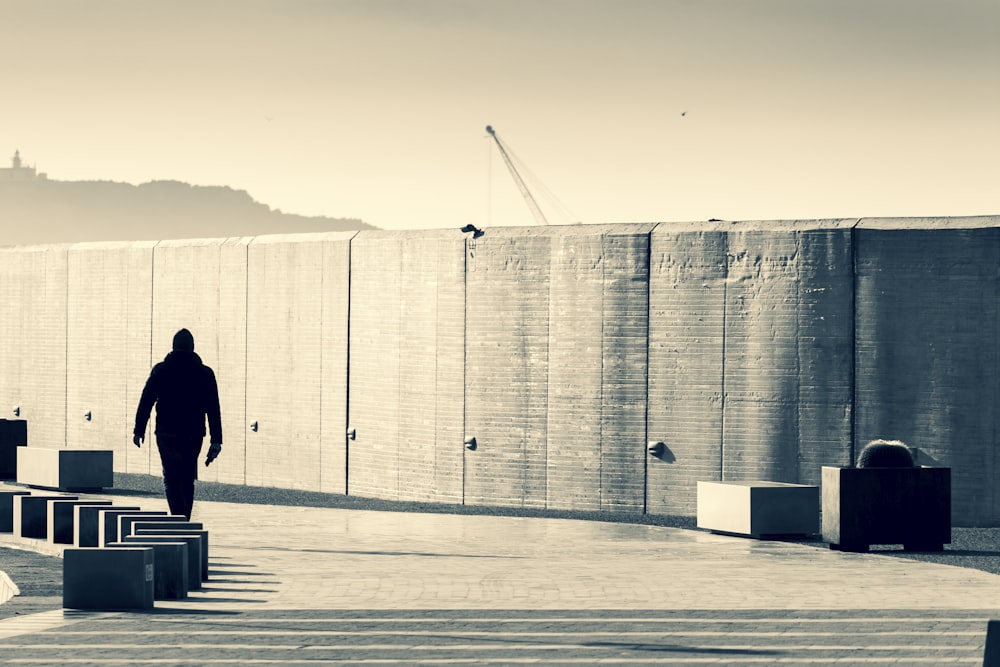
(179, 456)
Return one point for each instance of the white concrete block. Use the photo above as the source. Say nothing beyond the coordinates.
(120, 578)
(67, 469)
(758, 508)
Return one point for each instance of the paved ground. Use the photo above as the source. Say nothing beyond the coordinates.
(293, 585)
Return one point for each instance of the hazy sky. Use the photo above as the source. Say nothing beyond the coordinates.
(627, 110)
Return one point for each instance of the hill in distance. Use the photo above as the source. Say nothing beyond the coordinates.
(46, 211)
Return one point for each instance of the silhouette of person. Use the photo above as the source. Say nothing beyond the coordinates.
(185, 392)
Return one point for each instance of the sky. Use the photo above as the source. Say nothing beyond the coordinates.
(624, 110)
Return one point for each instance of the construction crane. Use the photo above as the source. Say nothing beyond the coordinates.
(528, 198)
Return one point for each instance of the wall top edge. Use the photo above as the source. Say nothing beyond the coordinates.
(960, 222)
(597, 229)
(304, 237)
(757, 225)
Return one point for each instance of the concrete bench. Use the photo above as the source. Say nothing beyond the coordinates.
(170, 568)
(65, 469)
(112, 579)
(31, 515)
(193, 543)
(7, 509)
(62, 515)
(202, 535)
(108, 524)
(13, 436)
(87, 524)
(758, 509)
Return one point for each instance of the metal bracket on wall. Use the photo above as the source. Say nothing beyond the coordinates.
(470, 443)
(254, 426)
(352, 434)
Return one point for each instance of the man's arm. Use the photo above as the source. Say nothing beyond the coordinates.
(146, 401)
(212, 409)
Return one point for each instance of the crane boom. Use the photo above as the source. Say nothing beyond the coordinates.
(528, 198)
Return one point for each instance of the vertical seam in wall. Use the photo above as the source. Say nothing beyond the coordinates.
(797, 237)
(854, 342)
(347, 371)
(722, 392)
(66, 358)
(602, 259)
(246, 353)
(465, 355)
(322, 323)
(649, 319)
(399, 365)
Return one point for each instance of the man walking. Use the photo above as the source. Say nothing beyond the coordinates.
(185, 393)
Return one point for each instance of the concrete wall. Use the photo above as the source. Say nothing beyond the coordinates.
(755, 350)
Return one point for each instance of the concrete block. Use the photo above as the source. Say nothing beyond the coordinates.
(170, 568)
(908, 506)
(66, 469)
(201, 534)
(13, 435)
(991, 652)
(758, 508)
(7, 509)
(61, 522)
(193, 543)
(110, 579)
(127, 522)
(87, 522)
(108, 523)
(31, 515)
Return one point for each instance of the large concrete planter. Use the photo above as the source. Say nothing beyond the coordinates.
(908, 506)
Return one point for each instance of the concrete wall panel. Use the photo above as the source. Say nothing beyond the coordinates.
(624, 351)
(927, 325)
(407, 337)
(373, 456)
(507, 365)
(686, 350)
(201, 285)
(285, 359)
(35, 279)
(334, 396)
(108, 316)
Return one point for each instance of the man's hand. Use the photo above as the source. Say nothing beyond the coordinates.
(137, 440)
(213, 452)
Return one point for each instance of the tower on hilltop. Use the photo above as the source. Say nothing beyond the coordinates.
(18, 172)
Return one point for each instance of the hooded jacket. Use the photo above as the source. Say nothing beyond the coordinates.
(184, 391)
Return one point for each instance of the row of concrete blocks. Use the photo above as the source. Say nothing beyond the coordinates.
(116, 557)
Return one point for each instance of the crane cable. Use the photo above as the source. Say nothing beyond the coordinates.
(515, 166)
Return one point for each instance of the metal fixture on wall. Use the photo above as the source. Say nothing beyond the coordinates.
(352, 434)
(656, 448)
(253, 426)
(470, 443)
(88, 415)
(17, 410)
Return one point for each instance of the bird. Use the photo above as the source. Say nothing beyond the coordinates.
(476, 232)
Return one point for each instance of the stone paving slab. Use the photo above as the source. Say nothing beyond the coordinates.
(305, 584)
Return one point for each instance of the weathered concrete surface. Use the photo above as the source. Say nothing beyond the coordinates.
(751, 350)
(110, 578)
